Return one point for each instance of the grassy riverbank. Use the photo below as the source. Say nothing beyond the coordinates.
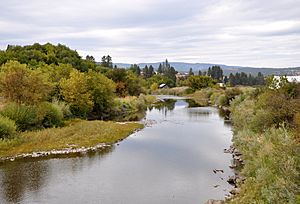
(76, 132)
(266, 126)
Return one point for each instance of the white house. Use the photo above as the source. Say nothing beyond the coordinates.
(290, 78)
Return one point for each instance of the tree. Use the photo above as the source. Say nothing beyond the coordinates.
(160, 79)
(102, 91)
(135, 69)
(90, 58)
(35, 54)
(20, 84)
(151, 71)
(191, 73)
(133, 84)
(245, 79)
(167, 70)
(225, 80)
(200, 73)
(159, 70)
(77, 93)
(146, 72)
(209, 72)
(215, 72)
(199, 82)
(106, 61)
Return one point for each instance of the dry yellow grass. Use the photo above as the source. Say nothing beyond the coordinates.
(78, 132)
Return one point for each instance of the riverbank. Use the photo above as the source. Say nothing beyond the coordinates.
(76, 136)
(266, 133)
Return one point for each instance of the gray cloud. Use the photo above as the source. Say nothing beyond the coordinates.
(250, 33)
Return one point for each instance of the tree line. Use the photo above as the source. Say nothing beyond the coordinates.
(216, 73)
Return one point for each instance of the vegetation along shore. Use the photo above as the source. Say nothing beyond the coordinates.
(55, 102)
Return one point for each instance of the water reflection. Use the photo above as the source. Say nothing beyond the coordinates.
(170, 162)
(29, 175)
(17, 178)
(165, 106)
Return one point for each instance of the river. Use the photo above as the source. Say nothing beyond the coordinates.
(170, 161)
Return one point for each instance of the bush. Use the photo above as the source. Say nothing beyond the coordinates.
(271, 167)
(63, 107)
(24, 116)
(7, 128)
(50, 115)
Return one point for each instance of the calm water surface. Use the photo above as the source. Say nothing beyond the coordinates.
(171, 161)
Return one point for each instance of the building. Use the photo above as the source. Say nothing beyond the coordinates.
(163, 86)
(290, 78)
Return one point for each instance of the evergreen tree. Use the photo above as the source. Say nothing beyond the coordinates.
(146, 72)
(135, 69)
(209, 72)
(191, 73)
(225, 80)
(159, 70)
(215, 72)
(106, 61)
(151, 71)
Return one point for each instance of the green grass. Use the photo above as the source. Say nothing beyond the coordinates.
(77, 132)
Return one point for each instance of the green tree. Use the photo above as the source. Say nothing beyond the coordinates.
(215, 72)
(106, 61)
(191, 73)
(159, 70)
(76, 92)
(102, 91)
(151, 71)
(199, 82)
(35, 54)
(133, 84)
(135, 69)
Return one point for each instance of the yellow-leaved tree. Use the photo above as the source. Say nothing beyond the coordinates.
(76, 92)
(20, 84)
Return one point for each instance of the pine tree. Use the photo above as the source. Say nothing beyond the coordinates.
(191, 73)
(159, 70)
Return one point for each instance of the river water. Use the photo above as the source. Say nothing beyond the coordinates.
(170, 161)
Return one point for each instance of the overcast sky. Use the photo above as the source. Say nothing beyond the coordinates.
(233, 32)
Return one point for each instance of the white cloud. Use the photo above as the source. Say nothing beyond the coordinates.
(253, 33)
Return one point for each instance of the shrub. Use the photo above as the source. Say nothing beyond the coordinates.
(24, 116)
(7, 128)
(271, 167)
(63, 107)
(50, 115)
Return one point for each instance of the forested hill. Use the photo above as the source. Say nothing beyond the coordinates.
(185, 67)
(36, 54)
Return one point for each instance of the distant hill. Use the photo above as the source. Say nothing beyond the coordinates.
(185, 67)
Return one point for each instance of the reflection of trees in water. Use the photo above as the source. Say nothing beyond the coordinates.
(195, 113)
(192, 103)
(165, 105)
(224, 113)
(31, 174)
(17, 177)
